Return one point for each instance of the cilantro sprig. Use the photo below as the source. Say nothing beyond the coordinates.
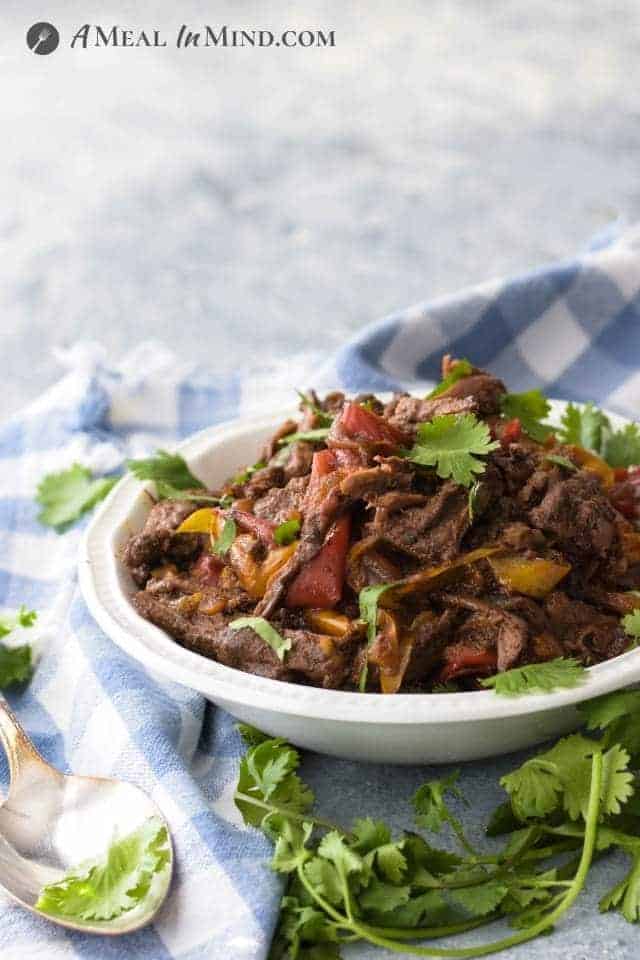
(563, 805)
(66, 495)
(279, 644)
(286, 532)
(459, 370)
(223, 544)
(168, 469)
(589, 427)
(368, 602)
(531, 408)
(16, 660)
(537, 677)
(453, 444)
(115, 884)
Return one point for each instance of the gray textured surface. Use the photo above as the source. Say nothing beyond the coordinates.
(240, 200)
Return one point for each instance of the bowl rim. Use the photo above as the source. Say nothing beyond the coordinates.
(99, 577)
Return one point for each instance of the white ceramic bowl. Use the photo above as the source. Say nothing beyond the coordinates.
(404, 728)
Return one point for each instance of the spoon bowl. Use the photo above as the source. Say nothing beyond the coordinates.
(51, 823)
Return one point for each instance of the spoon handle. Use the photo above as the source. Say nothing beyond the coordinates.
(18, 747)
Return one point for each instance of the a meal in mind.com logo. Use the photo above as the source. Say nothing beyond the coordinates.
(42, 38)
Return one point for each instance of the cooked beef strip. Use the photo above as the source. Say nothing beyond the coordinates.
(585, 632)
(406, 412)
(579, 516)
(490, 625)
(280, 503)
(319, 659)
(158, 543)
(272, 446)
(300, 460)
(428, 528)
(430, 635)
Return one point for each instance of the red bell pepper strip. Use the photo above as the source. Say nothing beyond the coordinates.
(362, 424)
(511, 433)
(466, 661)
(261, 528)
(320, 582)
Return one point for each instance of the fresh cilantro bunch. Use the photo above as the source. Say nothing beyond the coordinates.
(563, 806)
(16, 660)
(453, 444)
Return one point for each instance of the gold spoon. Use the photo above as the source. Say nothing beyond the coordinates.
(50, 823)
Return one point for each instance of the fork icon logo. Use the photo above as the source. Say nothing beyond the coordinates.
(42, 38)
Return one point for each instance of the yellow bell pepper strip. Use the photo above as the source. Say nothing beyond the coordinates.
(592, 462)
(432, 577)
(200, 521)
(390, 652)
(254, 576)
(328, 622)
(534, 577)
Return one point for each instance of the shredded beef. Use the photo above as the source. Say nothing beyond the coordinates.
(280, 503)
(579, 516)
(158, 543)
(369, 516)
(426, 527)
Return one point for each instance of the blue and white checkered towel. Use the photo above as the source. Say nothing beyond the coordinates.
(573, 329)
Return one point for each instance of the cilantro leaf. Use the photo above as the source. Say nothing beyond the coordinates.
(369, 834)
(325, 419)
(561, 461)
(429, 802)
(250, 735)
(325, 878)
(16, 662)
(481, 899)
(248, 472)
(114, 884)
(279, 644)
(452, 443)
(537, 678)
(368, 602)
(66, 495)
(610, 709)
(226, 538)
(16, 665)
(333, 847)
(562, 775)
(530, 408)
(268, 783)
(381, 897)
(23, 618)
(165, 491)
(622, 447)
(631, 626)
(459, 370)
(625, 896)
(583, 426)
(168, 468)
(318, 435)
(286, 532)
